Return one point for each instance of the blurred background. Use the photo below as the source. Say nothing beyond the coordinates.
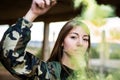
(101, 16)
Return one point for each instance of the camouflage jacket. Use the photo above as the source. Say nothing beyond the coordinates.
(21, 63)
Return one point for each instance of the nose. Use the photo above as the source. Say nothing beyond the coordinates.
(80, 42)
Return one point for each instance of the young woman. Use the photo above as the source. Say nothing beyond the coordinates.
(68, 55)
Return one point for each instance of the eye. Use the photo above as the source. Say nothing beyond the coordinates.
(73, 37)
(85, 39)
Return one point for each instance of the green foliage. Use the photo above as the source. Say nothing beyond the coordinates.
(115, 56)
(115, 51)
(113, 75)
(94, 53)
(112, 51)
(116, 75)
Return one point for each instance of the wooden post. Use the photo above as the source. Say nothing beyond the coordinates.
(45, 47)
(102, 54)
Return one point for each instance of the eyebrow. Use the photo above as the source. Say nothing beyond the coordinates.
(78, 34)
(74, 33)
(86, 36)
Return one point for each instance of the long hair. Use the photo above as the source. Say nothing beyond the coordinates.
(57, 51)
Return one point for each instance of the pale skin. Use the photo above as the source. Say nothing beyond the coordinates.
(75, 43)
(75, 46)
(39, 7)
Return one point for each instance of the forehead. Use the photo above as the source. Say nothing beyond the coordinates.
(80, 30)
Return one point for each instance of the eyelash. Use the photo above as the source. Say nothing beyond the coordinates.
(73, 37)
(85, 39)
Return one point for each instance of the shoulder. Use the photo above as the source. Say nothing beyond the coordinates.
(54, 67)
(54, 64)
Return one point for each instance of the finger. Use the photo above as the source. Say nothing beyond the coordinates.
(40, 3)
(47, 2)
(53, 2)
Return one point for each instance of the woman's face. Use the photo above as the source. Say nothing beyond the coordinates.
(76, 42)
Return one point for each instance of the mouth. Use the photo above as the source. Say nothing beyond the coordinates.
(81, 49)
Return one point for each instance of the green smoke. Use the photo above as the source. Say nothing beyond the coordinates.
(94, 12)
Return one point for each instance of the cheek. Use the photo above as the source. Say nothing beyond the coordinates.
(68, 44)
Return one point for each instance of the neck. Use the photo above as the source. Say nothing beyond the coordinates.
(73, 62)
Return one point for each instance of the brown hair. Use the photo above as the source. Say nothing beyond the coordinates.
(57, 51)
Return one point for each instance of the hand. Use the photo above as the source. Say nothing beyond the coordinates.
(39, 7)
